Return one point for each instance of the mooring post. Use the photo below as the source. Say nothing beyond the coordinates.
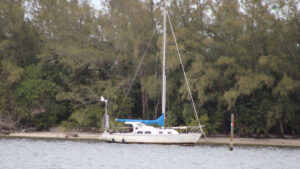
(231, 132)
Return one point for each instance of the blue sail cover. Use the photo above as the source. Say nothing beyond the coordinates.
(160, 121)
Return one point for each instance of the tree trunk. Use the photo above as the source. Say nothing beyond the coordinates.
(293, 132)
(281, 129)
(257, 134)
(267, 133)
(144, 95)
(156, 107)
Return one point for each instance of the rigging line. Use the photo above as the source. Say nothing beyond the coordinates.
(186, 81)
(154, 86)
(140, 64)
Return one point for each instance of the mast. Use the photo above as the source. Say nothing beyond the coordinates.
(164, 85)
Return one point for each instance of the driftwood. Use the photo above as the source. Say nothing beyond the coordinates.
(6, 128)
(5, 125)
(71, 135)
(4, 132)
(12, 123)
(30, 129)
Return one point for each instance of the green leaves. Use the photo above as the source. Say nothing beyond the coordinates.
(285, 86)
(58, 57)
(225, 60)
(231, 97)
(34, 92)
(88, 116)
(11, 71)
(248, 84)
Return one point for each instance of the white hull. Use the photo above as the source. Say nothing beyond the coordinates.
(189, 138)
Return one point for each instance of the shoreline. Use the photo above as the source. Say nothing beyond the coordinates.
(276, 142)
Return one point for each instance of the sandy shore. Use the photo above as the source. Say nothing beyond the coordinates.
(253, 141)
(210, 140)
(56, 135)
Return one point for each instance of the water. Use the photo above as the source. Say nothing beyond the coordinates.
(63, 154)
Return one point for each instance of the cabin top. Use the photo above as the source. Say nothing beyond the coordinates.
(141, 128)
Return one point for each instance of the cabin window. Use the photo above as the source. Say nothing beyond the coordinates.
(160, 132)
(140, 132)
(169, 132)
(147, 132)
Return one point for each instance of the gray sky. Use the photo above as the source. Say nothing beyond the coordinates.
(97, 3)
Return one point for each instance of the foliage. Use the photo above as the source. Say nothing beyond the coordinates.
(57, 58)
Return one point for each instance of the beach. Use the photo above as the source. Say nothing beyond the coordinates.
(223, 140)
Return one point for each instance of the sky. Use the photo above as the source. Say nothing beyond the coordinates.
(97, 3)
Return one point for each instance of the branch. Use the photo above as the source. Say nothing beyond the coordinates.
(6, 126)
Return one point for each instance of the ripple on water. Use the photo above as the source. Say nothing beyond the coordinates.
(45, 154)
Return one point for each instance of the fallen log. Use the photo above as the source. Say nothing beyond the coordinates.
(71, 135)
(5, 125)
(4, 132)
(26, 130)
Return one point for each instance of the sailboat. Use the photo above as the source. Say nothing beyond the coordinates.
(143, 131)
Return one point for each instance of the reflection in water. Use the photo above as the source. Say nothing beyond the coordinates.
(37, 154)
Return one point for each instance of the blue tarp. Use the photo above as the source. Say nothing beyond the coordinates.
(160, 121)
